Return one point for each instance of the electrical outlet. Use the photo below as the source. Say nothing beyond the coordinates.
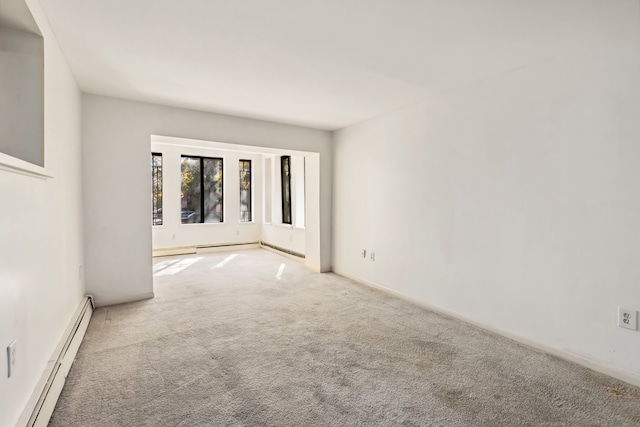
(373, 256)
(628, 318)
(363, 253)
(11, 358)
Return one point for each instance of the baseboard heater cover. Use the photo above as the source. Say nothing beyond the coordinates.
(286, 251)
(226, 245)
(53, 387)
(186, 250)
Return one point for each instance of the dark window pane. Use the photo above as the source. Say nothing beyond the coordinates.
(156, 187)
(212, 176)
(191, 193)
(285, 169)
(245, 191)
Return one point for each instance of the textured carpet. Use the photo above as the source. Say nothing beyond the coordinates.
(238, 339)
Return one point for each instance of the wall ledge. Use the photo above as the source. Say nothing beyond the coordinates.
(13, 164)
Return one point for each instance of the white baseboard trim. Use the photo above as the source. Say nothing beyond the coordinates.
(314, 268)
(226, 248)
(185, 250)
(561, 353)
(124, 300)
(43, 400)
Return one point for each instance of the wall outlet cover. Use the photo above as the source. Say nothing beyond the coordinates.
(628, 318)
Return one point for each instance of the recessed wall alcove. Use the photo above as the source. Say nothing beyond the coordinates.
(21, 88)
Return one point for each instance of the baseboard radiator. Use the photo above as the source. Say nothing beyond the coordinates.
(283, 250)
(186, 250)
(66, 354)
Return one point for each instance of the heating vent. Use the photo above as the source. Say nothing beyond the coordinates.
(67, 353)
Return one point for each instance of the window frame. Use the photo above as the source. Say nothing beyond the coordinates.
(202, 189)
(242, 168)
(285, 184)
(157, 180)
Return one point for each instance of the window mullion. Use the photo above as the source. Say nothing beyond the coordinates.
(202, 189)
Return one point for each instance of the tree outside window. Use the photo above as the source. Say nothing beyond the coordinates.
(245, 191)
(201, 190)
(156, 187)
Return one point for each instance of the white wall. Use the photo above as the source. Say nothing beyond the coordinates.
(513, 202)
(287, 236)
(172, 233)
(117, 184)
(40, 239)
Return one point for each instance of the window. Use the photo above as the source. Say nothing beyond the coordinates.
(156, 187)
(285, 171)
(245, 191)
(202, 199)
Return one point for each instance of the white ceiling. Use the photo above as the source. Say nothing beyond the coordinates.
(324, 64)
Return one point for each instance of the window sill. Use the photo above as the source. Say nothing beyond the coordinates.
(283, 225)
(204, 223)
(15, 165)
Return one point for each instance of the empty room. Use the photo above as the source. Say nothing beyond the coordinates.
(319, 213)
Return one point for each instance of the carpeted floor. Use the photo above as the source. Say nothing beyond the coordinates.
(236, 339)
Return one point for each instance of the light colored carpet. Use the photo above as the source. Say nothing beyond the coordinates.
(235, 345)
